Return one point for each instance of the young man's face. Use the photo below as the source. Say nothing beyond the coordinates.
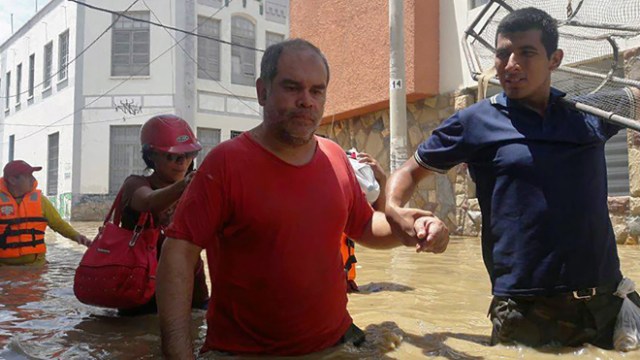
(523, 67)
(294, 101)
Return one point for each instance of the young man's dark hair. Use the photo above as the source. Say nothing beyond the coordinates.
(532, 19)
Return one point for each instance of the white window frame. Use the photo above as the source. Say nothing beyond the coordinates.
(243, 60)
(131, 44)
(18, 83)
(208, 50)
(7, 91)
(32, 74)
(63, 55)
(126, 140)
(47, 66)
(53, 158)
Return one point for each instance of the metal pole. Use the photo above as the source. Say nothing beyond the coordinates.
(607, 116)
(397, 93)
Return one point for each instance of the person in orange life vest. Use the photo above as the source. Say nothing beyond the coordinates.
(168, 149)
(372, 180)
(24, 216)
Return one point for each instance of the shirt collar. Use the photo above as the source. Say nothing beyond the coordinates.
(502, 100)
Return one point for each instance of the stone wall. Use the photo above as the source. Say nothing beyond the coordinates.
(450, 196)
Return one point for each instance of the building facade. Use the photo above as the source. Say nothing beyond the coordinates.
(77, 83)
(355, 38)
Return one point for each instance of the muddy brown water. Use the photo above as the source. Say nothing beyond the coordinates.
(411, 306)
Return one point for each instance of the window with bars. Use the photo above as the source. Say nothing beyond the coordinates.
(243, 58)
(32, 72)
(125, 155)
(52, 163)
(209, 138)
(12, 144)
(272, 38)
(63, 55)
(18, 83)
(235, 133)
(130, 45)
(7, 90)
(47, 66)
(208, 50)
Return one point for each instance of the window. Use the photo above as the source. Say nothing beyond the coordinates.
(130, 45)
(18, 82)
(212, 3)
(477, 3)
(616, 153)
(52, 164)
(208, 50)
(272, 38)
(32, 72)
(125, 156)
(47, 66)
(7, 91)
(63, 55)
(235, 133)
(12, 144)
(243, 59)
(209, 138)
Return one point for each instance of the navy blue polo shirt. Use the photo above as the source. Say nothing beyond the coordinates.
(542, 188)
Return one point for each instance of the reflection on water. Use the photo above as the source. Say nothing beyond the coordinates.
(410, 305)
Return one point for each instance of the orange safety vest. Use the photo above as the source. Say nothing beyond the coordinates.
(347, 249)
(22, 225)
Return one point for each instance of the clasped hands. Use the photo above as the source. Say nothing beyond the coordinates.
(419, 228)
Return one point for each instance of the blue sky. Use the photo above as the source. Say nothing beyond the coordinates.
(22, 11)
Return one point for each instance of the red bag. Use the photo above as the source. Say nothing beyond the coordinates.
(119, 268)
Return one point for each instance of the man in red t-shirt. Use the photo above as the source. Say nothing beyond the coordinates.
(269, 207)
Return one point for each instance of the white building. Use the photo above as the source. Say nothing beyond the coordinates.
(77, 83)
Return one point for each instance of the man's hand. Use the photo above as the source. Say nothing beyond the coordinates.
(83, 240)
(432, 233)
(419, 228)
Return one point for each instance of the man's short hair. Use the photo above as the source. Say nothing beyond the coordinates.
(531, 18)
(269, 63)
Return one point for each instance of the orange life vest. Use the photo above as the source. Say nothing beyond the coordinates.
(22, 225)
(347, 249)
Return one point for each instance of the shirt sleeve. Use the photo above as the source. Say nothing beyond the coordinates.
(445, 148)
(198, 216)
(56, 222)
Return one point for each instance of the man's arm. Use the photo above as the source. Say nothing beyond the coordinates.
(406, 222)
(174, 288)
(57, 223)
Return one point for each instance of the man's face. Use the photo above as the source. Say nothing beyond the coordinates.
(294, 101)
(523, 67)
(21, 184)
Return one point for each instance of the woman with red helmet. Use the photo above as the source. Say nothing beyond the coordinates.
(168, 149)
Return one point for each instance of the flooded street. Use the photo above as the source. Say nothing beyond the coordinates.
(411, 306)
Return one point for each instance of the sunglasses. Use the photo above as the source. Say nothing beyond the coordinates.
(179, 157)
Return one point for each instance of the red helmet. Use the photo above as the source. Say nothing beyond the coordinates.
(168, 133)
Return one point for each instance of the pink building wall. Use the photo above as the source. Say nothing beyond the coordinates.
(354, 35)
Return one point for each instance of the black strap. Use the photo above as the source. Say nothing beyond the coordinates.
(22, 220)
(22, 244)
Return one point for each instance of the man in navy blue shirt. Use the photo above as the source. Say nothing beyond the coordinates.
(540, 175)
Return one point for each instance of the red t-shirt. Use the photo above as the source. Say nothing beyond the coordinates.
(272, 235)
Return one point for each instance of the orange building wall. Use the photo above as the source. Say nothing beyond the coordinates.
(354, 35)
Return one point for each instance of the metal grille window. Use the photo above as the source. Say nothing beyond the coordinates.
(273, 38)
(208, 50)
(235, 133)
(209, 138)
(130, 45)
(243, 60)
(63, 55)
(52, 164)
(12, 144)
(125, 156)
(616, 153)
(47, 65)
(32, 71)
(18, 83)
(7, 90)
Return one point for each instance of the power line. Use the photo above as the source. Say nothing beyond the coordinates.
(198, 65)
(164, 26)
(75, 58)
(117, 85)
